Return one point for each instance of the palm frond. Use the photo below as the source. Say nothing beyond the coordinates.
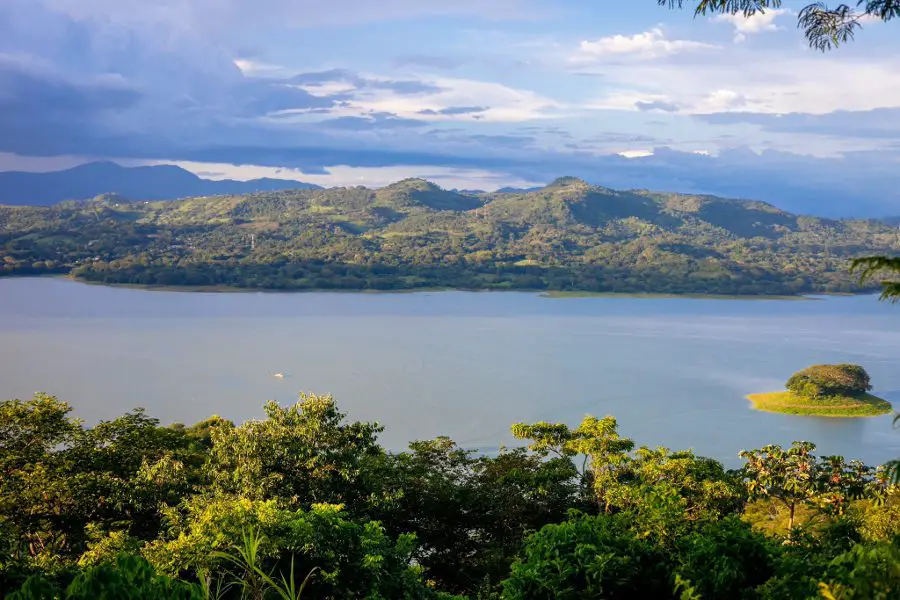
(870, 266)
(827, 28)
(732, 7)
(881, 9)
(893, 467)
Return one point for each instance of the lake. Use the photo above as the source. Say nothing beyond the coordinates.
(674, 371)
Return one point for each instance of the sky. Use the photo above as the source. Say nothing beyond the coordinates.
(472, 94)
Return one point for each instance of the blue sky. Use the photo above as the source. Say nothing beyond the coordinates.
(468, 93)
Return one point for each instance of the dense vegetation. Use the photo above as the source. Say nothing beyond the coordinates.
(819, 381)
(304, 499)
(567, 236)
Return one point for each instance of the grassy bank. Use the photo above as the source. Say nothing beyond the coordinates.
(789, 403)
(557, 294)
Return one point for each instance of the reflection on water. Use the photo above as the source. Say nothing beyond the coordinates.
(673, 371)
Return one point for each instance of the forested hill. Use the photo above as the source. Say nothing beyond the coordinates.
(413, 234)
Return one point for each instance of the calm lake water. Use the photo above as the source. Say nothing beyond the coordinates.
(467, 365)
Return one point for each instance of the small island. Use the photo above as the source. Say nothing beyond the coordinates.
(825, 391)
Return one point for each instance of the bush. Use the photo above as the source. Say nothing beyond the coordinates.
(588, 557)
(726, 558)
(128, 577)
(830, 380)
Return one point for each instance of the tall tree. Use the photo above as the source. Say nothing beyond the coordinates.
(303, 454)
(604, 451)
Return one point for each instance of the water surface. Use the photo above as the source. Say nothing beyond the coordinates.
(673, 371)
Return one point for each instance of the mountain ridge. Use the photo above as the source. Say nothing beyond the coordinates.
(151, 182)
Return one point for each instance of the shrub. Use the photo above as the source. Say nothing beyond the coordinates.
(128, 577)
(725, 558)
(588, 557)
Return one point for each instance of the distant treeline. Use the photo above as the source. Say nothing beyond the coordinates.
(312, 276)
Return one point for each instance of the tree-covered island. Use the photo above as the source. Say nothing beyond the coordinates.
(825, 391)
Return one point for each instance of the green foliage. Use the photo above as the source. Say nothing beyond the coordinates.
(830, 380)
(588, 557)
(351, 558)
(725, 559)
(67, 491)
(670, 494)
(801, 565)
(869, 572)
(253, 581)
(795, 477)
(569, 236)
(306, 504)
(303, 453)
(128, 577)
(469, 512)
(870, 267)
(879, 518)
(605, 452)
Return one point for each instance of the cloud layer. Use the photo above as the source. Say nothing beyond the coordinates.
(493, 93)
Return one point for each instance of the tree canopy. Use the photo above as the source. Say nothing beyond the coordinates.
(305, 503)
(825, 27)
(830, 380)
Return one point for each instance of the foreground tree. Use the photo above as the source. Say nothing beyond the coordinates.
(604, 451)
(303, 454)
(787, 476)
(588, 557)
(824, 27)
(350, 558)
(795, 477)
(66, 489)
(469, 511)
(669, 494)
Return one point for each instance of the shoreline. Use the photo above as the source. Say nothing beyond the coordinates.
(858, 407)
(548, 294)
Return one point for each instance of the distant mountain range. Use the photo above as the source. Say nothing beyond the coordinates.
(515, 190)
(161, 182)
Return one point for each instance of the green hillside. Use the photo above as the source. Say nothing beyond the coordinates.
(568, 235)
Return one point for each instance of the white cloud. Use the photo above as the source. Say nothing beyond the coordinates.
(254, 68)
(755, 23)
(650, 44)
(500, 103)
(343, 175)
(721, 101)
(636, 153)
(802, 83)
(624, 100)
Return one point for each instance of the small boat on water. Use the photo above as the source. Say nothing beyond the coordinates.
(279, 375)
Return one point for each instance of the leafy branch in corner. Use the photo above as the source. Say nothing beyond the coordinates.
(825, 27)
